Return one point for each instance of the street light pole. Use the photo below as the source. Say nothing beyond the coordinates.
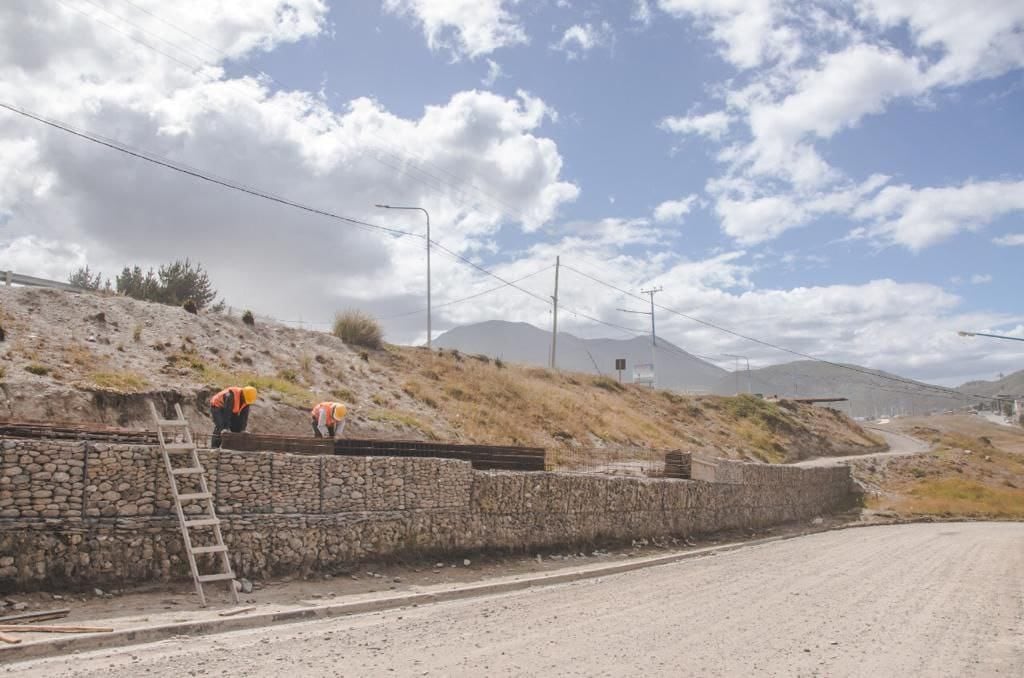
(994, 336)
(427, 214)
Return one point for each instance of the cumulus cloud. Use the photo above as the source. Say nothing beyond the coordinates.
(919, 218)
(753, 220)
(710, 125)
(470, 28)
(494, 73)
(981, 279)
(480, 162)
(818, 69)
(750, 31)
(579, 39)
(674, 210)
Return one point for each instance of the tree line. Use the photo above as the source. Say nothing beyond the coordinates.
(179, 283)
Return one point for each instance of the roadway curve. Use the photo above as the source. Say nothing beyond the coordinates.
(900, 445)
(906, 600)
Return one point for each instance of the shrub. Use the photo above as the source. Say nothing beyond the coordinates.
(84, 278)
(37, 369)
(137, 333)
(190, 306)
(248, 318)
(498, 363)
(288, 375)
(608, 384)
(358, 328)
(343, 394)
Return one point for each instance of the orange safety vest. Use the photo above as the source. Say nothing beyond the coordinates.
(238, 402)
(329, 408)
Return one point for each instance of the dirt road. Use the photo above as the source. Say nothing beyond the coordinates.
(900, 445)
(932, 599)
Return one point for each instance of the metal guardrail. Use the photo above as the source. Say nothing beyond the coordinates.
(12, 278)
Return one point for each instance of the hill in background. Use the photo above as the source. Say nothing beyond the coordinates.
(523, 343)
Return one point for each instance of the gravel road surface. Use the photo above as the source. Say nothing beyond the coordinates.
(900, 445)
(908, 600)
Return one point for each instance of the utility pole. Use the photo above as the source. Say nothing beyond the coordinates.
(654, 337)
(737, 371)
(554, 322)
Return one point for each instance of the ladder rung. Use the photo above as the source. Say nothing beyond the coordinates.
(194, 496)
(203, 578)
(179, 448)
(200, 522)
(172, 422)
(187, 470)
(209, 549)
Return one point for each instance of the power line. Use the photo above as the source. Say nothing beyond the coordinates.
(472, 296)
(505, 208)
(205, 176)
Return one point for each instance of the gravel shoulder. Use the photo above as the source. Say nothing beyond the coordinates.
(939, 599)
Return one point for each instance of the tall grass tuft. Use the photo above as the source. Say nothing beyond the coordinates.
(358, 329)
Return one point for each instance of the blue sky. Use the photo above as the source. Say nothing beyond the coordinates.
(840, 178)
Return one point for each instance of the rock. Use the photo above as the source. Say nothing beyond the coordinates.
(246, 585)
(818, 521)
(397, 580)
(98, 592)
(467, 562)
(18, 607)
(438, 565)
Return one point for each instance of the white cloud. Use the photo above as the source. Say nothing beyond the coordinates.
(752, 220)
(477, 161)
(674, 210)
(751, 30)
(1010, 240)
(494, 73)
(29, 255)
(641, 13)
(919, 218)
(470, 28)
(974, 40)
(710, 125)
(981, 278)
(579, 39)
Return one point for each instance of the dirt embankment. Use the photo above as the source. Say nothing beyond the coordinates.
(94, 358)
(970, 468)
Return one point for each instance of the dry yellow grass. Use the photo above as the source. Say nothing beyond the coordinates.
(123, 382)
(488, 403)
(957, 497)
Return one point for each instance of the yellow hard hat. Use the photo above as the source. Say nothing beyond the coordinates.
(340, 411)
(249, 394)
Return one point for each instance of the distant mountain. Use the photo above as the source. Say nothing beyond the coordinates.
(1011, 384)
(870, 392)
(524, 343)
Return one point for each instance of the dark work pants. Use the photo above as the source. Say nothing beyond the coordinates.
(223, 420)
(316, 430)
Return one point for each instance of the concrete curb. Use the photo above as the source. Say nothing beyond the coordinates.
(125, 637)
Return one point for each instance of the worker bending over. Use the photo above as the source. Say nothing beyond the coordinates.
(230, 410)
(329, 419)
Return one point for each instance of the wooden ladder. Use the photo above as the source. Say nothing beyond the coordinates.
(179, 444)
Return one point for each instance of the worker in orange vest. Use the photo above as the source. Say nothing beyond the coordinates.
(328, 419)
(230, 410)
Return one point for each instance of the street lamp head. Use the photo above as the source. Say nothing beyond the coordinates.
(386, 207)
(965, 334)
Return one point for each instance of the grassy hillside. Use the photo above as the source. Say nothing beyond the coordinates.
(97, 358)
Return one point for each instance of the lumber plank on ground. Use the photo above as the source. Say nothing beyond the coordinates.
(36, 628)
(9, 639)
(237, 610)
(31, 617)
